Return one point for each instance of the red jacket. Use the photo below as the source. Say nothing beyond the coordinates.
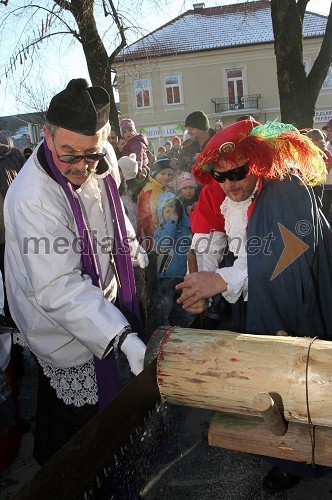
(206, 216)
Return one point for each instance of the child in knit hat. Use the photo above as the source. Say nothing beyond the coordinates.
(161, 174)
(173, 154)
(136, 143)
(218, 126)
(187, 190)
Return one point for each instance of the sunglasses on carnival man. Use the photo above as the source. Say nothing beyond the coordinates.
(235, 174)
(76, 158)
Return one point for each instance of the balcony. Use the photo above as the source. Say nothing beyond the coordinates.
(247, 102)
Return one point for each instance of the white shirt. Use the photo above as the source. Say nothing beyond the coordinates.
(210, 248)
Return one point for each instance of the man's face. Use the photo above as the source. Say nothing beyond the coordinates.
(195, 133)
(121, 143)
(176, 144)
(65, 142)
(237, 190)
(113, 138)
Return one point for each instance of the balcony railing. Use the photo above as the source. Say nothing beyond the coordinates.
(225, 104)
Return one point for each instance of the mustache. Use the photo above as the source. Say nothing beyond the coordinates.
(76, 171)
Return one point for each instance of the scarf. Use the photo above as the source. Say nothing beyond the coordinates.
(106, 372)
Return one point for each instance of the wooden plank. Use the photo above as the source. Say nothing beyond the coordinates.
(251, 435)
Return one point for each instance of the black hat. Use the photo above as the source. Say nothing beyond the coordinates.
(159, 165)
(80, 108)
(197, 119)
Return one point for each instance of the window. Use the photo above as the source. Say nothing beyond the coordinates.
(328, 80)
(142, 94)
(234, 79)
(172, 85)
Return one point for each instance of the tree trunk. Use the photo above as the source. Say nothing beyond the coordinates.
(224, 371)
(297, 92)
(98, 62)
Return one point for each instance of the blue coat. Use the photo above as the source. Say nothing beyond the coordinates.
(298, 299)
(172, 239)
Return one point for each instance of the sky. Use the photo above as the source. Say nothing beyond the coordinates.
(63, 63)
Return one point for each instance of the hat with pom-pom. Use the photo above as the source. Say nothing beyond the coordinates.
(80, 108)
(185, 179)
(129, 166)
(176, 138)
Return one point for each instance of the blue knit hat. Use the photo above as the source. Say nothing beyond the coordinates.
(159, 165)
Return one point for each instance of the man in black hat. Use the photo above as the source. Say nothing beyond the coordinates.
(198, 127)
(67, 261)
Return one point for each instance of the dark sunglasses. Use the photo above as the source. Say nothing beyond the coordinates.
(76, 158)
(90, 158)
(235, 174)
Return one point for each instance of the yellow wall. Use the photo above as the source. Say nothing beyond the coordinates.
(203, 78)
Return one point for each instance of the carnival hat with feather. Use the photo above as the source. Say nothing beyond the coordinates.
(274, 150)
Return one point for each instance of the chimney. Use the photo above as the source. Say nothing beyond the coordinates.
(198, 6)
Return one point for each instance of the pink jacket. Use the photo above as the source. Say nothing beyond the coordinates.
(138, 145)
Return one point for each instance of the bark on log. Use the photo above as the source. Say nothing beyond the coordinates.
(249, 434)
(224, 371)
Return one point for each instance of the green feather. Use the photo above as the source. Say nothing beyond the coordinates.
(208, 167)
(270, 129)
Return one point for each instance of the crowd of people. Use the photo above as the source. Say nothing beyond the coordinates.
(98, 229)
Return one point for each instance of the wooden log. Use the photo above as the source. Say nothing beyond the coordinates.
(249, 434)
(224, 371)
(270, 413)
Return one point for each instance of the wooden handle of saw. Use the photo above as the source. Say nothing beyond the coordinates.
(192, 262)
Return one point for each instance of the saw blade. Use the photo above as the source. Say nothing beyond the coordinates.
(81, 466)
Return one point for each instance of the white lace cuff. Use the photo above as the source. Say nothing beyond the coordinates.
(75, 385)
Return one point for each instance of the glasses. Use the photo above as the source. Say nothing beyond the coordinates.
(235, 174)
(90, 158)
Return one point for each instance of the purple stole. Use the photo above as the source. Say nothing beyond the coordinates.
(106, 371)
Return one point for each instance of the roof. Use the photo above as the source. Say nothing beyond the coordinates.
(212, 28)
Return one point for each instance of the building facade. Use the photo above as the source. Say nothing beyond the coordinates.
(220, 60)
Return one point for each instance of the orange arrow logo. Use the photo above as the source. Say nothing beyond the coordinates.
(294, 247)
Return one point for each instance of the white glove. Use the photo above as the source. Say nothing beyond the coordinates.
(134, 349)
(141, 258)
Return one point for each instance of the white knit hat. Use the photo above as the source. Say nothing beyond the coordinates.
(185, 179)
(129, 166)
